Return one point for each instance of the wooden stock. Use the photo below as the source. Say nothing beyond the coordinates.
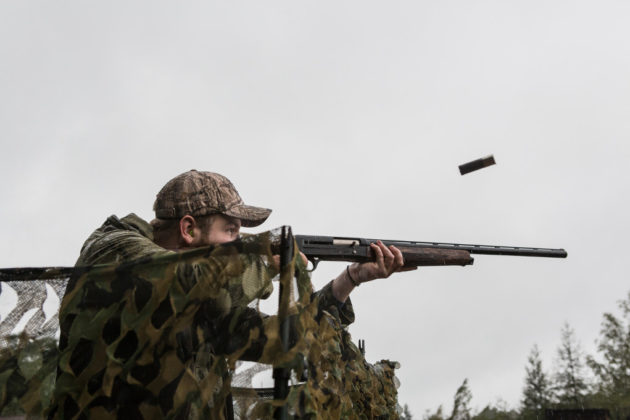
(431, 256)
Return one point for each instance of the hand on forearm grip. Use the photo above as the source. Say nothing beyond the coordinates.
(387, 261)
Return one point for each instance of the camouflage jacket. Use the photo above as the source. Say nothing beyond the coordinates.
(152, 333)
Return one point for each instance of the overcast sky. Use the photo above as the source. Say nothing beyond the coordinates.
(347, 118)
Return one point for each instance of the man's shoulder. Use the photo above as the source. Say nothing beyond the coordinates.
(130, 223)
(117, 240)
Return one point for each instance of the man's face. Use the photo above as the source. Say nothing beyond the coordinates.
(222, 229)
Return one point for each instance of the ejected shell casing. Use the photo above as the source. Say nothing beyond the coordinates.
(476, 164)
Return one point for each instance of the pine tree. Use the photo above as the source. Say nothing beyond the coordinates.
(461, 409)
(537, 391)
(613, 374)
(569, 381)
(438, 415)
(497, 412)
(406, 413)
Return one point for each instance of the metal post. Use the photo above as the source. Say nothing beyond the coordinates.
(281, 375)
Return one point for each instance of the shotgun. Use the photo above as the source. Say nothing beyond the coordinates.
(336, 248)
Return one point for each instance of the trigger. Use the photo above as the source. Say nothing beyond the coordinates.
(313, 261)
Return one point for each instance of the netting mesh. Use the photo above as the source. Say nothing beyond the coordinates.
(161, 338)
(28, 337)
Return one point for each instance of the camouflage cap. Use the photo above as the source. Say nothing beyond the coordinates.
(203, 193)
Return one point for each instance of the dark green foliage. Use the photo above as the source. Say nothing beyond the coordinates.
(537, 390)
(461, 403)
(612, 388)
(569, 381)
(406, 413)
(498, 412)
(462, 410)
(438, 415)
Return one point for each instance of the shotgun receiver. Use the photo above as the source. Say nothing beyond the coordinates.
(334, 248)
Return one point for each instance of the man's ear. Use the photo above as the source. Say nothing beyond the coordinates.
(187, 226)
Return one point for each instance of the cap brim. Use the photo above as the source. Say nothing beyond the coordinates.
(250, 216)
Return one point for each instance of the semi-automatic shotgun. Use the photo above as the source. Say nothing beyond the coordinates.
(335, 248)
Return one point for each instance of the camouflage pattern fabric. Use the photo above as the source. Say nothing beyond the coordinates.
(159, 337)
(203, 193)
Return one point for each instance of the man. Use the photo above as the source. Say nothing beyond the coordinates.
(195, 210)
(220, 214)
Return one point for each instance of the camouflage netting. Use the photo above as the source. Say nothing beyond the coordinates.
(161, 337)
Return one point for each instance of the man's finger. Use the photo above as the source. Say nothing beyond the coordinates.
(378, 254)
(391, 263)
(400, 260)
(276, 261)
(387, 254)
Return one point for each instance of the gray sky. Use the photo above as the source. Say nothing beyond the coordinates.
(347, 118)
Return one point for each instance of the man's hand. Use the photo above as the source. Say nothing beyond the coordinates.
(276, 260)
(388, 260)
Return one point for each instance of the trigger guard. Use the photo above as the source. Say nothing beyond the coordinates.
(315, 262)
